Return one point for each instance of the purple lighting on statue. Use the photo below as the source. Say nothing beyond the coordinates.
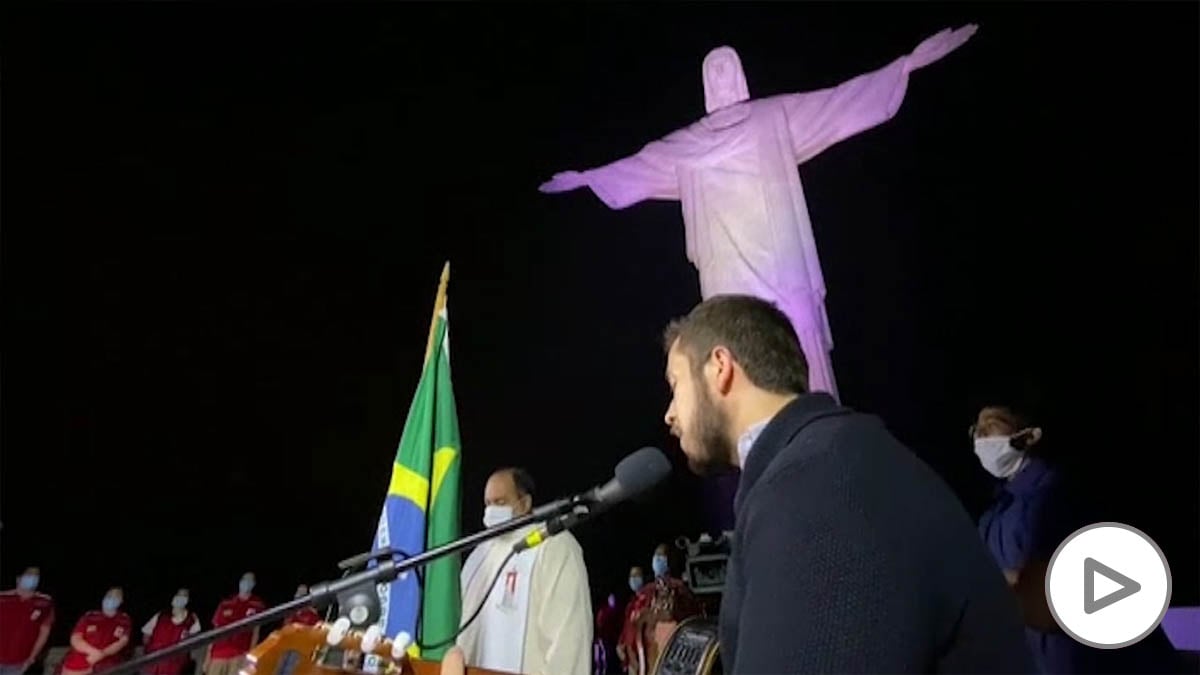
(734, 171)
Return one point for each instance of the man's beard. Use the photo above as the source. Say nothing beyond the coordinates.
(710, 434)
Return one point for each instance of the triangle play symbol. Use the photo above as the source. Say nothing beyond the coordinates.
(1092, 567)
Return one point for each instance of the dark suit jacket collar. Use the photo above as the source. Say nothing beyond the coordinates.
(787, 423)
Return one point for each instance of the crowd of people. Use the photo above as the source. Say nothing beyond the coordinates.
(849, 553)
(629, 635)
(103, 638)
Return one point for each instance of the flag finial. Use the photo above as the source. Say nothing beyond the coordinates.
(439, 306)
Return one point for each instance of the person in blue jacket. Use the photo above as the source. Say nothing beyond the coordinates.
(1035, 509)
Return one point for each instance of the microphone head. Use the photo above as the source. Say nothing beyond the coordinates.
(640, 471)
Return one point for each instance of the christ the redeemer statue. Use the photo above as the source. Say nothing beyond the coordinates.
(734, 171)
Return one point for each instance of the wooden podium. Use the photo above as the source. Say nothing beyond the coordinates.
(419, 667)
(307, 650)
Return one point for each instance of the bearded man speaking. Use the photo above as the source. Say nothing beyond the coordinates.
(850, 554)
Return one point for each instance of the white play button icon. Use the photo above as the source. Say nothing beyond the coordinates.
(1108, 585)
(1124, 586)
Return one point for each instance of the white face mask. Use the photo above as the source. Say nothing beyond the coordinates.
(110, 605)
(998, 456)
(494, 515)
(179, 601)
(660, 565)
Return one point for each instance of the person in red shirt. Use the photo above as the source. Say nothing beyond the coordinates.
(99, 638)
(306, 616)
(608, 633)
(637, 579)
(654, 612)
(225, 655)
(168, 628)
(25, 620)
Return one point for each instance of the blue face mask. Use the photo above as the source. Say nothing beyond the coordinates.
(660, 565)
(635, 584)
(110, 604)
(179, 601)
(245, 586)
(27, 582)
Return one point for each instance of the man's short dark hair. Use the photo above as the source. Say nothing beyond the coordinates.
(520, 478)
(1018, 417)
(759, 335)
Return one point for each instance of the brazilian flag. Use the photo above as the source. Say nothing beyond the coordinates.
(421, 510)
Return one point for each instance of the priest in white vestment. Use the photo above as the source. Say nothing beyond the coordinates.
(537, 619)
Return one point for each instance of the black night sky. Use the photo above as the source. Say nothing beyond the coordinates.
(223, 228)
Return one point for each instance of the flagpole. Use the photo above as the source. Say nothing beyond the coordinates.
(439, 304)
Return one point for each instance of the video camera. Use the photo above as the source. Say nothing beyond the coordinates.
(704, 569)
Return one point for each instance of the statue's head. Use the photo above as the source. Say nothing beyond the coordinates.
(724, 81)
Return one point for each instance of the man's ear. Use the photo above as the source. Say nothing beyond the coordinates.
(1035, 435)
(721, 362)
(1026, 438)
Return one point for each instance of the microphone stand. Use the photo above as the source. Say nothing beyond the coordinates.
(384, 572)
(352, 563)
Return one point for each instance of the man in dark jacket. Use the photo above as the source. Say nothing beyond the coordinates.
(849, 553)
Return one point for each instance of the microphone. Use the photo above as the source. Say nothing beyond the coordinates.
(637, 473)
